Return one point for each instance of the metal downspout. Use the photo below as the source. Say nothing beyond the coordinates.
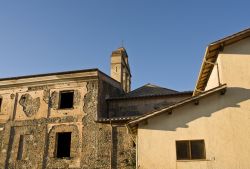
(111, 147)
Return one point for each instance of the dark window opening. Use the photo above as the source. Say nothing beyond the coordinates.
(63, 144)
(20, 148)
(182, 150)
(1, 100)
(190, 150)
(66, 99)
(197, 149)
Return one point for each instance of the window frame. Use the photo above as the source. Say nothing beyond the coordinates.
(189, 157)
(60, 95)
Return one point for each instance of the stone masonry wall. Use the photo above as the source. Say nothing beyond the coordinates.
(96, 137)
(121, 145)
(31, 119)
(124, 151)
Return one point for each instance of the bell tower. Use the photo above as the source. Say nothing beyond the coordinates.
(120, 69)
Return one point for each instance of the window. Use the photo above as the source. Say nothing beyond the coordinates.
(190, 150)
(1, 100)
(63, 144)
(66, 99)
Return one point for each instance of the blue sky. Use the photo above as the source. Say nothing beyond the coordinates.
(165, 39)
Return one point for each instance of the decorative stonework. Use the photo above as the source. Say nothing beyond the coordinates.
(30, 105)
(75, 147)
(46, 91)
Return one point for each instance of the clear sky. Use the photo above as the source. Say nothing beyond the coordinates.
(165, 39)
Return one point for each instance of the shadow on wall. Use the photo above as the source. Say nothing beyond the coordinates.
(180, 117)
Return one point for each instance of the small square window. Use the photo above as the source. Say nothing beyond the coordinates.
(190, 150)
(66, 99)
(63, 144)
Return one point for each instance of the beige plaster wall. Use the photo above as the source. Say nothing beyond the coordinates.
(221, 120)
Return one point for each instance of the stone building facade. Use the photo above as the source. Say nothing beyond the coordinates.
(74, 119)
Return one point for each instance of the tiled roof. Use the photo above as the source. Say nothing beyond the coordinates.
(150, 90)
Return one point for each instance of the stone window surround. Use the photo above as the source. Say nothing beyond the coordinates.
(74, 140)
(55, 98)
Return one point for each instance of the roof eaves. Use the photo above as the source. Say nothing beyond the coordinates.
(115, 119)
(211, 55)
(49, 74)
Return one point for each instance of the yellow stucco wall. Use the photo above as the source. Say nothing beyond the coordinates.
(223, 121)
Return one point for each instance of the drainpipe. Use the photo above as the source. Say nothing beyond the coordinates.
(136, 153)
(111, 147)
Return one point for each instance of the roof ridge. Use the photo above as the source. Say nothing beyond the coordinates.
(138, 88)
(161, 87)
